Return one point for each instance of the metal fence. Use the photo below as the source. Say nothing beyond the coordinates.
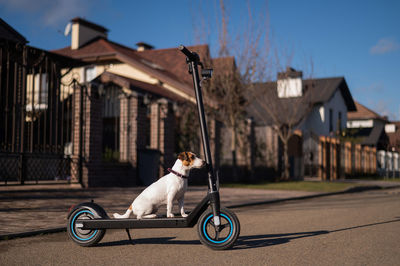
(36, 115)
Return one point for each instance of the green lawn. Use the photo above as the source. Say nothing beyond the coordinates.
(297, 185)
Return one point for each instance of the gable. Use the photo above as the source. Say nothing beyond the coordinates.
(9, 33)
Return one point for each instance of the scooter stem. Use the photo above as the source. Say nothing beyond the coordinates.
(193, 60)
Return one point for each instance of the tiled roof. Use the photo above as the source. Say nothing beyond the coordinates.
(376, 135)
(293, 110)
(95, 47)
(9, 33)
(173, 60)
(363, 113)
(168, 65)
(139, 86)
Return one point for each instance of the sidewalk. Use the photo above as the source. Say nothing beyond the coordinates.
(31, 208)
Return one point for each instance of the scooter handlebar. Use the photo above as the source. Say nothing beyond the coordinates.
(190, 55)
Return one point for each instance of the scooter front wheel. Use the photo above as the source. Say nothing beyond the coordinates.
(85, 238)
(220, 237)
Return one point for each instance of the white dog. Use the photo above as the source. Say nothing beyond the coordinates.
(164, 191)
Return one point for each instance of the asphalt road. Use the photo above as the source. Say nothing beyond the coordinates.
(352, 229)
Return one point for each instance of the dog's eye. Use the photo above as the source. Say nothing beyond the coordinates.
(192, 157)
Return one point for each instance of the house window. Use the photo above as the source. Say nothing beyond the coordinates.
(90, 73)
(37, 88)
(330, 120)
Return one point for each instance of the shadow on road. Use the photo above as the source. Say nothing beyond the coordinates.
(365, 225)
(257, 241)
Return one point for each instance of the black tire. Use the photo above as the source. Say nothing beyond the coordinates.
(227, 235)
(84, 238)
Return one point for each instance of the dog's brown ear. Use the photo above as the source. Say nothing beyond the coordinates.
(182, 156)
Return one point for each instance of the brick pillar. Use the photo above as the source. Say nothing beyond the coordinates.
(132, 128)
(374, 162)
(91, 138)
(76, 127)
(124, 129)
(322, 158)
(348, 161)
(358, 158)
(162, 132)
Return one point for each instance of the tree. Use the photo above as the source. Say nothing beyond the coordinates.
(255, 61)
(241, 59)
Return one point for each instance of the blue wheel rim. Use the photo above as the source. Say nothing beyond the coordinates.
(217, 241)
(73, 229)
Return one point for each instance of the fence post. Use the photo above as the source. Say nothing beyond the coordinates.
(22, 172)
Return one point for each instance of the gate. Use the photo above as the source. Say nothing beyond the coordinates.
(36, 116)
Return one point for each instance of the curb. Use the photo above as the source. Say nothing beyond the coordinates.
(347, 191)
(355, 189)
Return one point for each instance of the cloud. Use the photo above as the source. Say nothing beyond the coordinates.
(51, 12)
(384, 107)
(385, 45)
(376, 87)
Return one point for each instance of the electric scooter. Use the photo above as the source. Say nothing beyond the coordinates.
(218, 227)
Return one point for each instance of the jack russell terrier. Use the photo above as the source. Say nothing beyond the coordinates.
(164, 191)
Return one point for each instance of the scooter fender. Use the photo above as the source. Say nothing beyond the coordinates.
(98, 211)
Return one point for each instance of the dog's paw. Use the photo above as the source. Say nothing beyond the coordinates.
(184, 215)
(116, 215)
(170, 215)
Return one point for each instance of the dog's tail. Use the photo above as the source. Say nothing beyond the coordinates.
(124, 216)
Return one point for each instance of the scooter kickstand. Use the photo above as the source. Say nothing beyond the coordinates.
(129, 236)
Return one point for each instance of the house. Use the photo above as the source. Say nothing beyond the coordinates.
(137, 93)
(310, 108)
(367, 127)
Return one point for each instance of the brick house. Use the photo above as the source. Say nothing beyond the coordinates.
(130, 100)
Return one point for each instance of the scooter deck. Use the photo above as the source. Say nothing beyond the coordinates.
(134, 223)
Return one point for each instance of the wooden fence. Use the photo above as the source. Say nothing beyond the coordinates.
(340, 159)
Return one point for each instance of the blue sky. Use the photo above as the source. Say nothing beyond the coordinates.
(359, 40)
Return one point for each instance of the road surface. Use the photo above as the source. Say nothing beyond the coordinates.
(351, 229)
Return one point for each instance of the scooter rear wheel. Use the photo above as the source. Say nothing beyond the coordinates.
(85, 238)
(222, 238)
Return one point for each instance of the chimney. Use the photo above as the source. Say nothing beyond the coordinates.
(84, 31)
(142, 46)
(289, 83)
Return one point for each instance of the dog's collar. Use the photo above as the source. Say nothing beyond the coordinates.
(176, 173)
